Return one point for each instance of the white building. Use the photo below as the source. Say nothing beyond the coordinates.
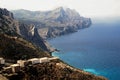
(21, 63)
(54, 58)
(34, 60)
(15, 68)
(44, 59)
(2, 61)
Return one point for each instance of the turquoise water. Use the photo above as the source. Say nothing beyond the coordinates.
(95, 49)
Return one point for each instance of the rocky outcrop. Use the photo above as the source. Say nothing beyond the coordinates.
(12, 44)
(55, 22)
(12, 27)
(6, 13)
(7, 23)
(30, 32)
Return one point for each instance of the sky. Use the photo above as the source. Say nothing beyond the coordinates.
(87, 8)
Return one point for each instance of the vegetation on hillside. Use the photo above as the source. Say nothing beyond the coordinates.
(17, 48)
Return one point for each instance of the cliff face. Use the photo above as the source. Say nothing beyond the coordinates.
(12, 45)
(6, 13)
(55, 22)
(7, 23)
(30, 32)
(10, 26)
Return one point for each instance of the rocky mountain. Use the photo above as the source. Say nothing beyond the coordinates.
(7, 23)
(54, 23)
(10, 26)
(12, 44)
(30, 32)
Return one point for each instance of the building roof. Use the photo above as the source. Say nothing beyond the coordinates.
(7, 67)
(33, 59)
(21, 61)
(53, 58)
(14, 65)
(44, 58)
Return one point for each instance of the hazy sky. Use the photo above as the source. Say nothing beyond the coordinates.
(88, 8)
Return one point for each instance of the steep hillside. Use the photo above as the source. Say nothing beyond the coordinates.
(7, 23)
(54, 70)
(54, 23)
(30, 33)
(15, 48)
(12, 27)
(12, 45)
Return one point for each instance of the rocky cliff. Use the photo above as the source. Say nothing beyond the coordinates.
(6, 13)
(10, 26)
(12, 44)
(7, 23)
(30, 32)
(54, 23)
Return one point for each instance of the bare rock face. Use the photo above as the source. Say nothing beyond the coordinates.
(12, 44)
(54, 23)
(6, 13)
(30, 32)
(7, 23)
(27, 31)
(12, 27)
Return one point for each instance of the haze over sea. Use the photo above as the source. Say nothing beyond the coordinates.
(95, 49)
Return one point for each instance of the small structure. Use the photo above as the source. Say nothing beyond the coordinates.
(34, 61)
(2, 61)
(53, 58)
(15, 68)
(22, 63)
(14, 37)
(44, 59)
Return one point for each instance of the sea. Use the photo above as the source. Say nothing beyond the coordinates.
(95, 49)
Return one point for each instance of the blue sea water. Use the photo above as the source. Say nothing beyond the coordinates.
(95, 49)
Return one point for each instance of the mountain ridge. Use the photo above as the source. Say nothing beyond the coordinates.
(12, 27)
(12, 45)
(55, 22)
